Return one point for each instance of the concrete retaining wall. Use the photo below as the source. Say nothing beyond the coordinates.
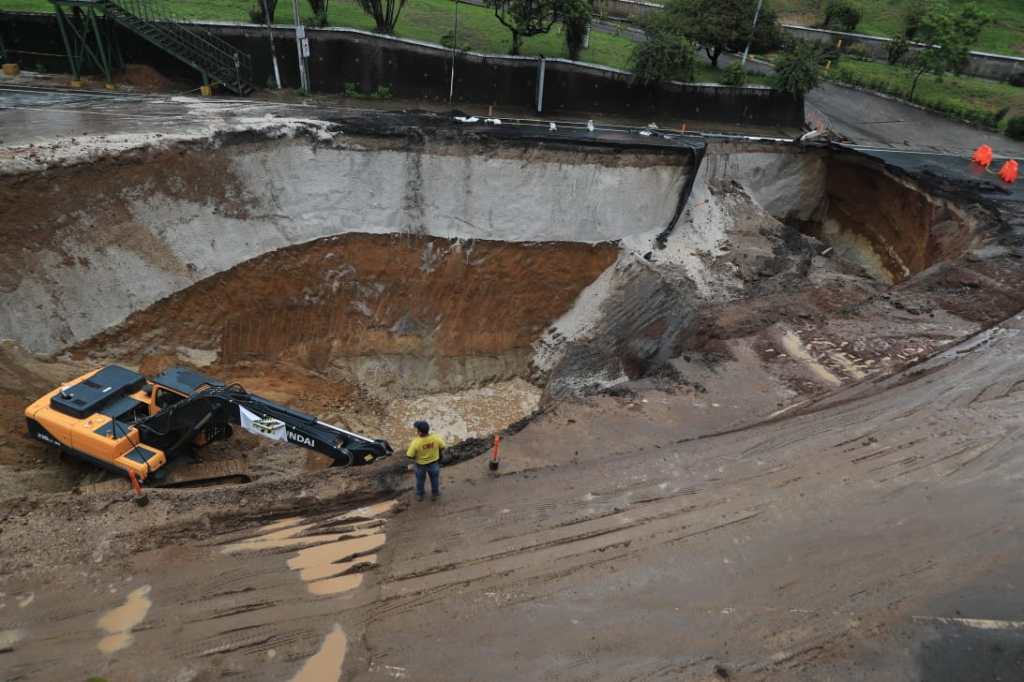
(413, 70)
(624, 9)
(981, 64)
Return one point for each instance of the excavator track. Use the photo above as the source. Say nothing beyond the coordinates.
(185, 475)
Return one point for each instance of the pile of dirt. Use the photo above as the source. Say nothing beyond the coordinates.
(146, 78)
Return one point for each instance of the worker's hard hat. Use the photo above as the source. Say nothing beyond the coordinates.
(421, 426)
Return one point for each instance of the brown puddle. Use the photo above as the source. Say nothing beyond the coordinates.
(332, 570)
(335, 551)
(324, 565)
(372, 510)
(325, 665)
(118, 623)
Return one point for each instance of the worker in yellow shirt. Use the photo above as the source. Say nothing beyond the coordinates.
(425, 451)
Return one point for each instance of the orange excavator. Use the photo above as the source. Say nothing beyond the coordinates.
(121, 421)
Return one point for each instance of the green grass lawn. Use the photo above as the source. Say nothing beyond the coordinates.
(1004, 35)
(425, 20)
(963, 92)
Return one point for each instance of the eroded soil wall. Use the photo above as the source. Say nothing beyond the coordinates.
(400, 314)
(85, 246)
(886, 223)
(889, 225)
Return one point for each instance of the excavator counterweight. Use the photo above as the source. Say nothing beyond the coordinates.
(120, 420)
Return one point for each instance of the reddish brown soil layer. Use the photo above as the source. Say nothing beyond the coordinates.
(903, 225)
(370, 294)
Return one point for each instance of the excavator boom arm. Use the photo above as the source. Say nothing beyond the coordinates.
(177, 425)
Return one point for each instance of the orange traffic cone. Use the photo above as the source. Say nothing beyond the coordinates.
(982, 156)
(1009, 171)
(493, 464)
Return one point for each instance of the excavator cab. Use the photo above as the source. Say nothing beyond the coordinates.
(93, 419)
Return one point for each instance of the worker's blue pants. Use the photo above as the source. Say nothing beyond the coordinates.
(434, 470)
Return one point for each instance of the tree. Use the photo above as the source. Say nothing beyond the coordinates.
(259, 16)
(948, 36)
(796, 71)
(897, 49)
(719, 25)
(912, 15)
(319, 8)
(384, 13)
(664, 56)
(1015, 128)
(525, 18)
(840, 15)
(575, 16)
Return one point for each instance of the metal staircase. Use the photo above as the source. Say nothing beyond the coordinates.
(215, 59)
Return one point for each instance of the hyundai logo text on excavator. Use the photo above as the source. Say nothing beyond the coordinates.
(120, 420)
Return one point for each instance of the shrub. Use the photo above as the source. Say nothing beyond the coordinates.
(840, 15)
(1015, 128)
(859, 52)
(796, 71)
(663, 57)
(575, 16)
(734, 74)
(913, 14)
(897, 49)
(1000, 115)
(768, 36)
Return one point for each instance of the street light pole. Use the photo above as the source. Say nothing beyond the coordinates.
(300, 46)
(273, 52)
(746, 50)
(455, 48)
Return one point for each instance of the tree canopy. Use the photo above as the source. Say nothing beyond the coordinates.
(719, 25)
(664, 56)
(525, 18)
(948, 35)
(797, 69)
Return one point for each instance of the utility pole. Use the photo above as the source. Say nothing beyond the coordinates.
(746, 50)
(273, 51)
(302, 45)
(455, 49)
